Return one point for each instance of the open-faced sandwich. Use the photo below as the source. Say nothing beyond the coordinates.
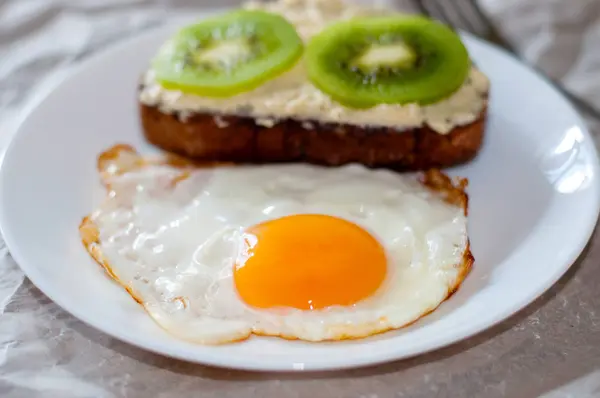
(316, 81)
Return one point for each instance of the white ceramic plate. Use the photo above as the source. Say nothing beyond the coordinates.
(534, 201)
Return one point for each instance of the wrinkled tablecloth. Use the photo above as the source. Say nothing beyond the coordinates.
(550, 349)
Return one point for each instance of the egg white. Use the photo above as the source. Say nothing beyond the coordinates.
(170, 235)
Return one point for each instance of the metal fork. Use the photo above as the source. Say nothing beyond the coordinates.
(467, 15)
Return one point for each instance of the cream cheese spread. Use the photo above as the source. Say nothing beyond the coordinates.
(292, 96)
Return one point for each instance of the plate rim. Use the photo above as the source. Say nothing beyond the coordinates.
(249, 364)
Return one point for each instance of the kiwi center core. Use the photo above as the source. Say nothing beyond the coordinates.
(386, 56)
(226, 54)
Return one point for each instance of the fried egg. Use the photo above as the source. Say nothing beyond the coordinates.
(216, 253)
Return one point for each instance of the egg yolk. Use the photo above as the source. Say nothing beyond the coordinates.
(308, 262)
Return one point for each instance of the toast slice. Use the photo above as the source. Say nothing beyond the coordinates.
(288, 119)
(211, 137)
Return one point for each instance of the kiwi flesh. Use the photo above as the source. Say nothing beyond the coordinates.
(397, 55)
(402, 59)
(228, 54)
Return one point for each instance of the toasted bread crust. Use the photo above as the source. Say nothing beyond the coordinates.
(208, 137)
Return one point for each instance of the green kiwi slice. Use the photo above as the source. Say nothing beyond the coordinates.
(228, 54)
(387, 60)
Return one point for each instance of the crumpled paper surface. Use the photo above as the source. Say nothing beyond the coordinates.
(550, 349)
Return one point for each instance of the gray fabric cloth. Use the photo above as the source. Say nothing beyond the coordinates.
(552, 347)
